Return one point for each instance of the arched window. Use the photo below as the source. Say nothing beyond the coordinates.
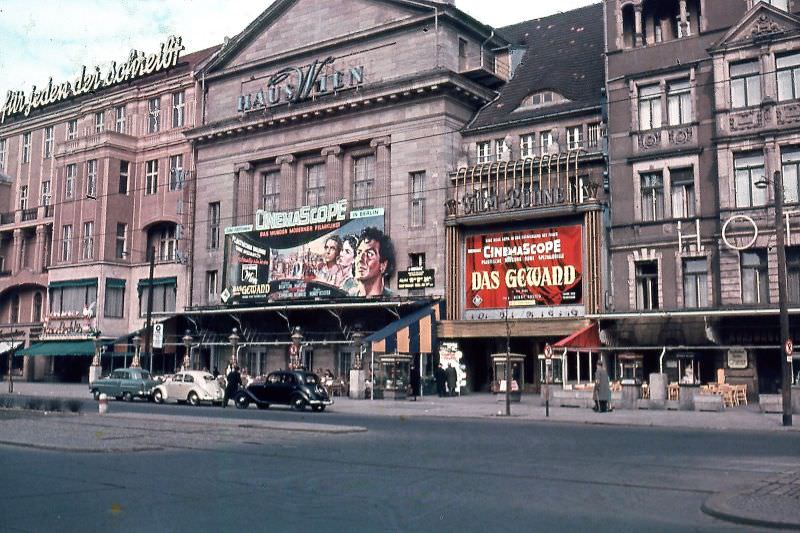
(14, 311)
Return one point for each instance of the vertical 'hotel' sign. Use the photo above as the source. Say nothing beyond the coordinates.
(138, 64)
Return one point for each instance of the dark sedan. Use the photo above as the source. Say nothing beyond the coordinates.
(296, 388)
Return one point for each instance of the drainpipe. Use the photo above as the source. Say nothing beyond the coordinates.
(661, 360)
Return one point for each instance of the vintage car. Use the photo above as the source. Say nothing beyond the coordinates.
(192, 386)
(296, 388)
(125, 384)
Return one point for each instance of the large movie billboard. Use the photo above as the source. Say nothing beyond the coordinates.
(313, 252)
(524, 272)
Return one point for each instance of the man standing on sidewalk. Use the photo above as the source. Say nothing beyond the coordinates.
(452, 378)
(232, 387)
(440, 376)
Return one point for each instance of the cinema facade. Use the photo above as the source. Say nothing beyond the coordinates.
(345, 127)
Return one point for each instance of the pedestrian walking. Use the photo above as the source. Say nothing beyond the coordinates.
(440, 377)
(452, 378)
(232, 386)
(414, 380)
(602, 387)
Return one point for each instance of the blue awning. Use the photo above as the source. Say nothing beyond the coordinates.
(415, 333)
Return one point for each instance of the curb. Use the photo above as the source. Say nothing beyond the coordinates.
(718, 507)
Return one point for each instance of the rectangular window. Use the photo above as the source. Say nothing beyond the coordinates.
(66, 243)
(499, 149)
(121, 119)
(72, 299)
(49, 139)
(2, 155)
(271, 191)
(679, 102)
(749, 168)
(788, 68)
(121, 245)
(91, 178)
(151, 177)
(363, 181)
(115, 301)
(650, 107)
(153, 114)
(780, 4)
(178, 106)
(23, 197)
(793, 274)
(745, 84)
(88, 240)
(315, 184)
(790, 164)
(574, 137)
(69, 183)
(682, 185)
(647, 285)
(26, 147)
(176, 172)
(484, 152)
(211, 286)
(695, 283)
(755, 281)
(72, 129)
(167, 244)
(652, 186)
(417, 206)
(46, 195)
(526, 146)
(124, 170)
(213, 225)
(99, 122)
(545, 141)
(593, 133)
(164, 297)
(416, 260)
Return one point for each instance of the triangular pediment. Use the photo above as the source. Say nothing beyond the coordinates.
(762, 20)
(292, 25)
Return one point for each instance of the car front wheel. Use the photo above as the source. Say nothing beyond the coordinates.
(242, 401)
(193, 399)
(298, 403)
(158, 396)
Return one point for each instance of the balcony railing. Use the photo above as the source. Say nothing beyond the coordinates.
(29, 214)
(7, 218)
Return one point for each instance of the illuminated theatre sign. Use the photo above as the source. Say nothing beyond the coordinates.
(292, 85)
(527, 273)
(308, 253)
(138, 65)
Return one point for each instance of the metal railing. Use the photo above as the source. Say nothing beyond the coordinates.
(29, 214)
(7, 218)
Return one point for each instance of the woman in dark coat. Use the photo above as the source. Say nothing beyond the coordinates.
(452, 377)
(234, 382)
(414, 380)
(602, 387)
(440, 377)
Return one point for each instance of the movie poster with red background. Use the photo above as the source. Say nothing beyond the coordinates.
(521, 268)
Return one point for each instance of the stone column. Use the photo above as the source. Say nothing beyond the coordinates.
(38, 256)
(383, 175)
(16, 265)
(333, 173)
(243, 194)
(288, 182)
(684, 22)
(637, 25)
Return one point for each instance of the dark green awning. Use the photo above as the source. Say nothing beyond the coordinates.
(115, 283)
(88, 282)
(143, 283)
(56, 348)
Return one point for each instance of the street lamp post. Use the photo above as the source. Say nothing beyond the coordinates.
(786, 343)
(783, 311)
(187, 356)
(294, 350)
(358, 339)
(234, 340)
(137, 343)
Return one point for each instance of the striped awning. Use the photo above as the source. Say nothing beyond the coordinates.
(415, 333)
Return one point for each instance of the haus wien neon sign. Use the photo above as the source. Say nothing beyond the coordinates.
(138, 65)
(292, 85)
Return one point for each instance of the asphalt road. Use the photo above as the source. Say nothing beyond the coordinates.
(402, 474)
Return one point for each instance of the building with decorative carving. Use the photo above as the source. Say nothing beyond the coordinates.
(702, 107)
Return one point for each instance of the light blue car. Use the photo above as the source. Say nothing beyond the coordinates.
(125, 384)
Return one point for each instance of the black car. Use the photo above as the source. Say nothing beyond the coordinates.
(297, 388)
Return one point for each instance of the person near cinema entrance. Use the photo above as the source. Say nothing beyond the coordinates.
(374, 263)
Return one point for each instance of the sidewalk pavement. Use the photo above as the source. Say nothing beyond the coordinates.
(773, 502)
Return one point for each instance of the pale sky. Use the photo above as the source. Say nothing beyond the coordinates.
(44, 38)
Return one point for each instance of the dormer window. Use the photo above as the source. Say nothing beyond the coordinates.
(540, 99)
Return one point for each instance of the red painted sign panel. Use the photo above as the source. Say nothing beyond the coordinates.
(521, 268)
